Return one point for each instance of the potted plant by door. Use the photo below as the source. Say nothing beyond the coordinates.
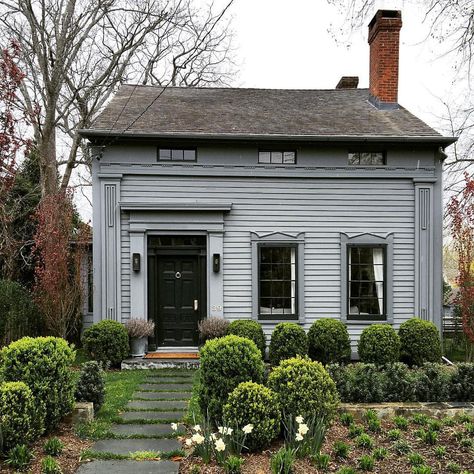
(139, 330)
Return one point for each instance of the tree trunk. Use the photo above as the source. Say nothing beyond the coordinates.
(47, 162)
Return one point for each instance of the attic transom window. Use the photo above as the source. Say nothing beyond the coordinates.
(176, 154)
(363, 158)
(277, 157)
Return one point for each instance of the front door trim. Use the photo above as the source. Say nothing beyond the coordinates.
(154, 253)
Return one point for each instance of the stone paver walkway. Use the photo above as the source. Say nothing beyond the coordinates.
(146, 426)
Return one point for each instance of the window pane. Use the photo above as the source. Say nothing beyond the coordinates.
(377, 159)
(189, 155)
(289, 157)
(177, 155)
(165, 154)
(264, 157)
(365, 159)
(353, 158)
(277, 157)
(366, 281)
(277, 285)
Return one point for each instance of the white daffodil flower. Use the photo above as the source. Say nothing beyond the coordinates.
(214, 436)
(198, 438)
(303, 429)
(299, 419)
(299, 437)
(197, 428)
(247, 429)
(174, 426)
(220, 429)
(189, 442)
(220, 445)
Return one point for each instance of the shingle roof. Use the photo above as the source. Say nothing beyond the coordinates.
(230, 112)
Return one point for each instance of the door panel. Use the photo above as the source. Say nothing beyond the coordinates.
(177, 286)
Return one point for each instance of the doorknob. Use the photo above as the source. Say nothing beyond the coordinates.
(196, 305)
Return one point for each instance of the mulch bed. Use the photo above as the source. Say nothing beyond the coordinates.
(69, 458)
(394, 463)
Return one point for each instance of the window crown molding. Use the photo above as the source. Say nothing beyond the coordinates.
(276, 237)
(367, 239)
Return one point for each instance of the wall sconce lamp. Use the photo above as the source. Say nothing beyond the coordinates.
(136, 262)
(216, 262)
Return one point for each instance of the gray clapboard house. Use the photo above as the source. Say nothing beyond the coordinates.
(272, 205)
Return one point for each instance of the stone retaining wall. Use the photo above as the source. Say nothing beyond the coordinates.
(389, 410)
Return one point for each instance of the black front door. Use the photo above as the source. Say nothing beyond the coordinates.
(175, 298)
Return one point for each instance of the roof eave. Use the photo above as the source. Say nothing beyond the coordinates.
(439, 139)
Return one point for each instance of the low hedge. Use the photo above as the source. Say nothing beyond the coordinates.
(21, 416)
(288, 340)
(254, 404)
(251, 330)
(420, 342)
(225, 363)
(432, 382)
(379, 344)
(329, 341)
(106, 342)
(44, 364)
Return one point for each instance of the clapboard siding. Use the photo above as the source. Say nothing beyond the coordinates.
(321, 208)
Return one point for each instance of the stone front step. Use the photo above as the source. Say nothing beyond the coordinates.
(164, 387)
(156, 387)
(162, 395)
(151, 431)
(152, 415)
(163, 381)
(157, 405)
(128, 467)
(127, 446)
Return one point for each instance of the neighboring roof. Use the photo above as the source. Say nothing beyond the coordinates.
(150, 111)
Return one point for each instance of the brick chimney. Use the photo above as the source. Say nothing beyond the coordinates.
(384, 41)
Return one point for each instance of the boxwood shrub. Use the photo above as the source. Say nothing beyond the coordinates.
(43, 363)
(225, 363)
(106, 342)
(21, 417)
(328, 341)
(304, 388)
(288, 340)
(420, 342)
(91, 384)
(379, 344)
(251, 330)
(252, 403)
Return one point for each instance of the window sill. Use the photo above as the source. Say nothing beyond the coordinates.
(279, 317)
(352, 320)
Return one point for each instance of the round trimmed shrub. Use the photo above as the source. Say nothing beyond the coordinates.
(19, 316)
(21, 420)
(328, 341)
(379, 344)
(420, 342)
(44, 364)
(288, 340)
(304, 388)
(249, 329)
(252, 403)
(225, 363)
(91, 385)
(106, 342)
